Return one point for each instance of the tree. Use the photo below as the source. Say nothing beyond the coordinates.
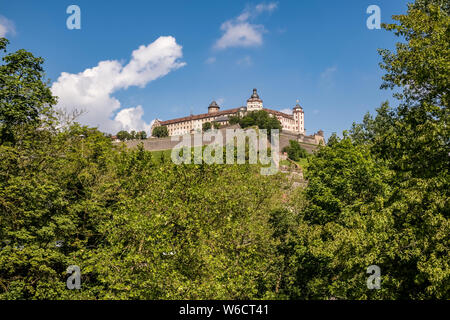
(202, 238)
(260, 118)
(420, 69)
(52, 198)
(123, 135)
(423, 5)
(138, 229)
(160, 132)
(234, 120)
(141, 135)
(295, 151)
(216, 125)
(345, 226)
(247, 121)
(206, 126)
(417, 146)
(380, 195)
(25, 98)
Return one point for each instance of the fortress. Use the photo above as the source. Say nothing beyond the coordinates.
(293, 126)
(292, 123)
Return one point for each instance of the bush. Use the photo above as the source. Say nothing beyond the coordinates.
(295, 151)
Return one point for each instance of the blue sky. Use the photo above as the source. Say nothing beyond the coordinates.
(320, 52)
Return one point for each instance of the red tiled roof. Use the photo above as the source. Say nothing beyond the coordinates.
(220, 113)
(279, 113)
(200, 116)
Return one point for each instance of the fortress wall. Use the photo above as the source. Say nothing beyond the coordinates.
(158, 144)
(304, 143)
(153, 144)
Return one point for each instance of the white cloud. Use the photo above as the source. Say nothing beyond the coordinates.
(91, 90)
(6, 26)
(269, 7)
(210, 60)
(131, 119)
(328, 72)
(245, 61)
(239, 32)
(254, 11)
(327, 76)
(240, 35)
(287, 111)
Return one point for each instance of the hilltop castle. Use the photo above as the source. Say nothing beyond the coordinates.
(293, 123)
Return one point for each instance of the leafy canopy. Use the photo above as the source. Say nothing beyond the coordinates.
(24, 95)
(160, 132)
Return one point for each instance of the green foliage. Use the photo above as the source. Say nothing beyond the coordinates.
(295, 151)
(24, 96)
(141, 135)
(422, 70)
(160, 132)
(190, 236)
(420, 66)
(49, 191)
(133, 135)
(380, 195)
(260, 118)
(210, 125)
(137, 230)
(206, 126)
(234, 120)
(123, 135)
(358, 214)
(141, 227)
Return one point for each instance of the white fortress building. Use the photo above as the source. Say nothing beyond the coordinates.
(294, 123)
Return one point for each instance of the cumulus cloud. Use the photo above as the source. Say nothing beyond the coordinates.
(240, 32)
(91, 91)
(131, 119)
(6, 26)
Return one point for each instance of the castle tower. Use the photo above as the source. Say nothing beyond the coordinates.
(254, 102)
(299, 118)
(213, 107)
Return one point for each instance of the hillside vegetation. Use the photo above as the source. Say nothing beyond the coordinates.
(141, 227)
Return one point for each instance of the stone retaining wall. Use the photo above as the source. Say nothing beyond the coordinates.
(158, 144)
